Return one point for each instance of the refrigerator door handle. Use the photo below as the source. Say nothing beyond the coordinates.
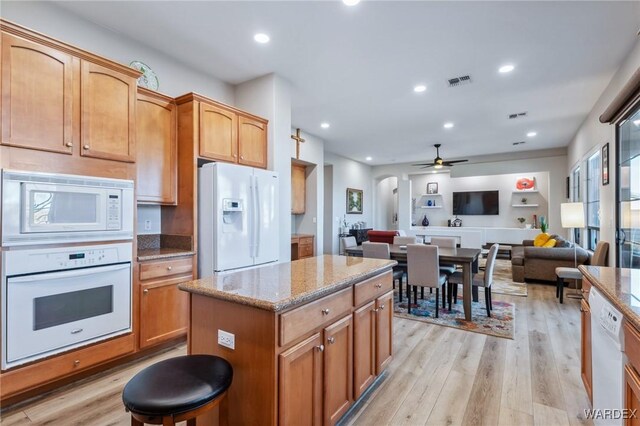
(258, 217)
(252, 226)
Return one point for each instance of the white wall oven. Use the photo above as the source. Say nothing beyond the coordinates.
(41, 208)
(56, 299)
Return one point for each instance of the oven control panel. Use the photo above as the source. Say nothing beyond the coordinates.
(79, 259)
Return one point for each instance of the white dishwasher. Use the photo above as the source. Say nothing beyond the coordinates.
(608, 359)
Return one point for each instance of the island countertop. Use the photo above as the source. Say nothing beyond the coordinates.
(620, 286)
(284, 285)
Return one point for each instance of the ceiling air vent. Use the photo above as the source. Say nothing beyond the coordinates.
(458, 81)
(518, 143)
(517, 115)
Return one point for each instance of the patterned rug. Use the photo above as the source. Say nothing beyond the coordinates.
(502, 281)
(500, 324)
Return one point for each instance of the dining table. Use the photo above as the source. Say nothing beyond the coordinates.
(465, 257)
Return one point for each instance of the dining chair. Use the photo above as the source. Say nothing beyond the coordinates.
(445, 242)
(347, 242)
(484, 279)
(423, 271)
(403, 241)
(381, 251)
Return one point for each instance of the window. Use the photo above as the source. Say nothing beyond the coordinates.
(593, 200)
(628, 182)
(575, 197)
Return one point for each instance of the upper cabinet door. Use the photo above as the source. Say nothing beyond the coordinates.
(157, 150)
(218, 133)
(37, 96)
(108, 113)
(252, 142)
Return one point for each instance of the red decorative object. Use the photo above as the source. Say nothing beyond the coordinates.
(523, 184)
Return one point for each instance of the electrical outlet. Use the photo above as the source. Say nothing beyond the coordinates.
(226, 339)
(147, 225)
(315, 220)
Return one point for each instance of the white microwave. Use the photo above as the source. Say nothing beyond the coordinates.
(42, 208)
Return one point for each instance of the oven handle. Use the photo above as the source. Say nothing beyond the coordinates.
(70, 274)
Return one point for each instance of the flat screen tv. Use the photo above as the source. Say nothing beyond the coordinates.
(475, 203)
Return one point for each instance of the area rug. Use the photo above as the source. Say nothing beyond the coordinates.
(500, 324)
(502, 279)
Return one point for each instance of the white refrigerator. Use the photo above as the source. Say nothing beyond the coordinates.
(237, 218)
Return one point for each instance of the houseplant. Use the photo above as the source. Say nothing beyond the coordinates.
(544, 225)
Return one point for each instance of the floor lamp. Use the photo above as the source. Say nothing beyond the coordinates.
(572, 217)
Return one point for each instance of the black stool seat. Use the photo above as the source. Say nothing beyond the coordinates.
(177, 385)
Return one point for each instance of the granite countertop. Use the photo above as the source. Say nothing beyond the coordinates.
(621, 286)
(284, 285)
(294, 236)
(162, 246)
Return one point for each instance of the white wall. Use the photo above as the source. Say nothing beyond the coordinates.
(312, 221)
(552, 162)
(329, 232)
(348, 174)
(151, 214)
(270, 97)
(591, 136)
(175, 79)
(386, 203)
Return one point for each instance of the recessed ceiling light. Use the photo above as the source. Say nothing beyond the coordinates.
(531, 134)
(448, 125)
(506, 68)
(261, 38)
(350, 2)
(368, 158)
(420, 88)
(325, 125)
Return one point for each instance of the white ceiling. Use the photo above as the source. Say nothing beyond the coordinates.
(355, 67)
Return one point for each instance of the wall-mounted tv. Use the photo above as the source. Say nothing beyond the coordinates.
(475, 203)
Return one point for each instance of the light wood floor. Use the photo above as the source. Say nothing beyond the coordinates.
(439, 376)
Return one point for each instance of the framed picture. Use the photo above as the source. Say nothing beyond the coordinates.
(354, 201)
(432, 188)
(605, 164)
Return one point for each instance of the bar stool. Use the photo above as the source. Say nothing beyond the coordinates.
(178, 389)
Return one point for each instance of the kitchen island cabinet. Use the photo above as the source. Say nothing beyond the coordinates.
(291, 335)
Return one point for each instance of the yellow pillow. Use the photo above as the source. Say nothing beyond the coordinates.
(550, 243)
(541, 239)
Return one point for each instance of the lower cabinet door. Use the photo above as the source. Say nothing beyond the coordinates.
(585, 348)
(364, 348)
(384, 327)
(164, 312)
(338, 374)
(300, 384)
(631, 396)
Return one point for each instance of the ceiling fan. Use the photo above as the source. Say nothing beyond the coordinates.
(438, 162)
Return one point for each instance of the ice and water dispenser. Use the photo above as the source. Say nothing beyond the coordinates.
(232, 212)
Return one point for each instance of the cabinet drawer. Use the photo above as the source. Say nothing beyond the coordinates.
(305, 250)
(373, 287)
(306, 240)
(25, 378)
(165, 268)
(632, 345)
(298, 322)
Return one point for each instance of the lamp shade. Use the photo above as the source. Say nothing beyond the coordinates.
(572, 215)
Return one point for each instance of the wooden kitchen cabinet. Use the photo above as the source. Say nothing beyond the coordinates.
(631, 394)
(298, 188)
(302, 246)
(585, 348)
(164, 309)
(364, 348)
(38, 98)
(384, 337)
(338, 369)
(108, 113)
(157, 149)
(218, 133)
(300, 383)
(252, 142)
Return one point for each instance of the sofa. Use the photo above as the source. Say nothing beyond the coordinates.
(540, 263)
(382, 236)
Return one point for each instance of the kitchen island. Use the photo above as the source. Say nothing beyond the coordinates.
(305, 338)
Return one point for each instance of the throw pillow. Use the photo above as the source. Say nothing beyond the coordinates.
(541, 239)
(550, 243)
(561, 242)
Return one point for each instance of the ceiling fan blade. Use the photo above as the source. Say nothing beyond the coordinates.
(423, 164)
(427, 166)
(455, 161)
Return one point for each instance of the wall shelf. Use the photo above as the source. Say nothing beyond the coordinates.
(430, 195)
(525, 205)
(526, 191)
(430, 207)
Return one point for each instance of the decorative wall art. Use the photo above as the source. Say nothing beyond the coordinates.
(526, 184)
(605, 164)
(354, 201)
(432, 188)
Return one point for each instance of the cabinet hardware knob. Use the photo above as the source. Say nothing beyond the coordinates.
(242, 157)
(331, 340)
(76, 363)
(381, 307)
(325, 311)
(77, 330)
(86, 147)
(68, 144)
(169, 268)
(145, 291)
(233, 155)
(320, 348)
(379, 285)
(376, 310)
